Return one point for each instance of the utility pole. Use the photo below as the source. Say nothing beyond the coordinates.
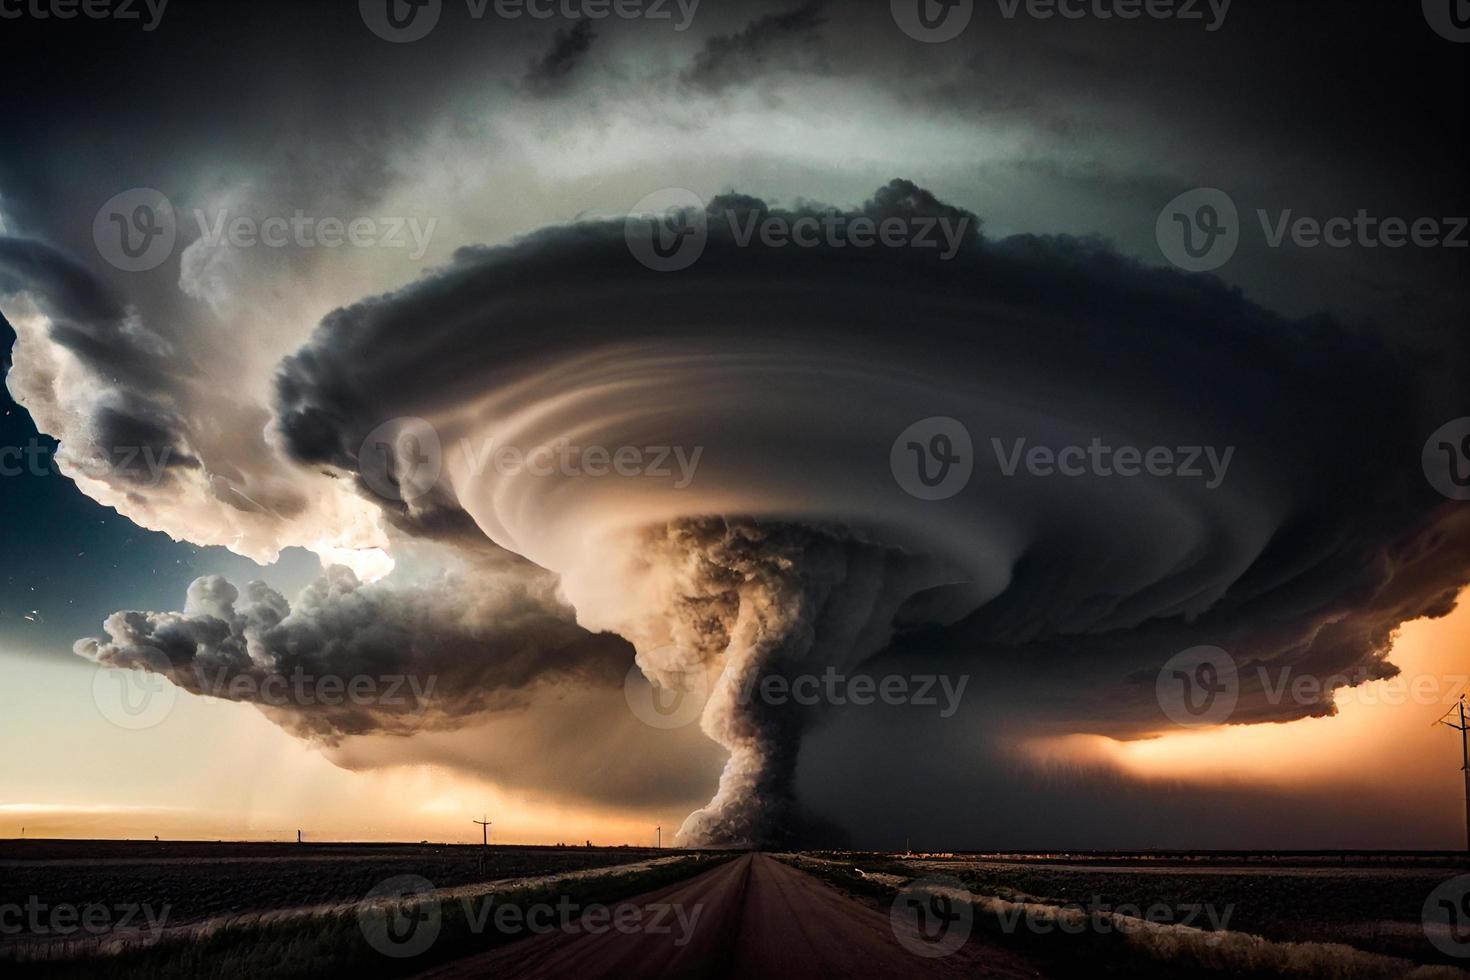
(484, 840)
(660, 829)
(1464, 731)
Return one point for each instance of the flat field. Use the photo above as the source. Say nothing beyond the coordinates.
(196, 880)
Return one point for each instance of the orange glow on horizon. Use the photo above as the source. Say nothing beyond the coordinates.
(1384, 734)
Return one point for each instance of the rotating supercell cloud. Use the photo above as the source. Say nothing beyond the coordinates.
(1026, 456)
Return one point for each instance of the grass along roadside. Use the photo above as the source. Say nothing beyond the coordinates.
(333, 942)
(1074, 941)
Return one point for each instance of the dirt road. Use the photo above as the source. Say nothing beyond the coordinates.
(751, 917)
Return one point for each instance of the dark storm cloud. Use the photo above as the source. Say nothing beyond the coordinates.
(782, 40)
(998, 804)
(550, 72)
(130, 427)
(70, 291)
(1325, 538)
(354, 367)
(348, 659)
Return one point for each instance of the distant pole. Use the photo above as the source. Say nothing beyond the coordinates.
(660, 829)
(1464, 731)
(298, 837)
(484, 840)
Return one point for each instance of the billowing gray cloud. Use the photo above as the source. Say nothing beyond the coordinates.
(350, 659)
(551, 71)
(781, 40)
(127, 431)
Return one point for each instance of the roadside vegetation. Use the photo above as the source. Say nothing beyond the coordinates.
(335, 944)
(1071, 925)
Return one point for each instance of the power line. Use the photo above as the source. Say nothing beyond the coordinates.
(1464, 731)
